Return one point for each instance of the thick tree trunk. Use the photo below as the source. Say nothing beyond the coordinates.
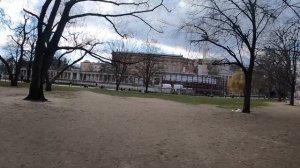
(117, 86)
(15, 78)
(293, 83)
(147, 85)
(28, 75)
(44, 55)
(48, 87)
(292, 98)
(247, 93)
(36, 92)
(14, 82)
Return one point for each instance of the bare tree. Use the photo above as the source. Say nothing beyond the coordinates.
(51, 28)
(120, 63)
(61, 69)
(149, 63)
(29, 52)
(233, 26)
(121, 59)
(148, 68)
(30, 56)
(12, 51)
(271, 65)
(16, 50)
(2, 16)
(86, 46)
(4, 19)
(285, 42)
(294, 5)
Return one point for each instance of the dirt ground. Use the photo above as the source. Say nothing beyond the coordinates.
(89, 130)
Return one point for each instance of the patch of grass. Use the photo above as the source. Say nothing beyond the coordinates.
(195, 100)
(68, 88)
(7, 84)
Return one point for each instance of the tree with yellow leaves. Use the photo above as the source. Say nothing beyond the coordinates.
(236, 83)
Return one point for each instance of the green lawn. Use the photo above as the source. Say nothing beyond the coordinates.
(7, 84)
(195, 100)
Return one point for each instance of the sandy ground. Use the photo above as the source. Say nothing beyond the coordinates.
(89, 130)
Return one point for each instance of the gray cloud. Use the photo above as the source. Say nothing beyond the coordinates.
(139, 31)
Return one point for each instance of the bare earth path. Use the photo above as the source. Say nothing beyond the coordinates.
(89, 130)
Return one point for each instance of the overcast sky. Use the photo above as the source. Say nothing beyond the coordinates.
(170, 41)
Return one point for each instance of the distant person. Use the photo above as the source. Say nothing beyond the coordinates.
(22, 78)
(0, 77)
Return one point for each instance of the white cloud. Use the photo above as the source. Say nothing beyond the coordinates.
(171, 42)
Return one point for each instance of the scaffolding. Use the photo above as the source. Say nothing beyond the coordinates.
(200, 84)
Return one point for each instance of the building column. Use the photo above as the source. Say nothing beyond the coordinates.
(71, 75)
(77, 76)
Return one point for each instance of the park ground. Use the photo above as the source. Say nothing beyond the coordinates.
(90, 129)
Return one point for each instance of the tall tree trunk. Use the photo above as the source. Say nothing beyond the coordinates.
(36, 88)
(247, 93)
(15, 78)
(48, 86)
(146, 85)
(292, 92)
(117, 86)
(36, 92)
(293, 83)
(14, 81)
(44, 55)
(28, 75)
